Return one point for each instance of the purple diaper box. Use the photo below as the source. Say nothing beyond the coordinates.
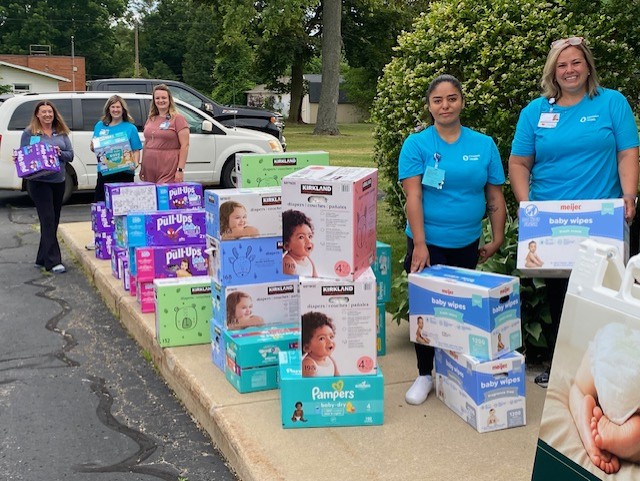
(101, 218)
(35, 160)
(124, 197)
(104, 245)
(160, 262)
(117, 254)
(180, 195)
(165, 228)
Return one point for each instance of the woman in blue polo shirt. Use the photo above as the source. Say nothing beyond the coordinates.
(577, 141)
(451, 176)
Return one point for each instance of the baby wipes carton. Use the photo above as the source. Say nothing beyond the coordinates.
(124, 197)
(550, 232)
(182, 310)
(464, 310)
(165, 228)
(159, 262)
(382, 270)
(337, 205)
(310, 402)
(239, 213)
(381, 329)
(267, 170)
(145, 295)
(488, 395)
(179, 195)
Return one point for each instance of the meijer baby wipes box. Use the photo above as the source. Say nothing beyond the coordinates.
(550, 233)
(488, 395)
(464, 310)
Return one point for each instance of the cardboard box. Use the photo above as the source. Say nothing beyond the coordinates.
(124, 197)
(350, 306)
(116, 265)
(267, 170)
(35, 160)
(101, 218)
(488, 395)
(179, 195)
(183, 310)
(113, 152)
(382, 269)
(340, 203)
(145, 295)
(465, 310)
(218, 346)
(252, 355)
(264, 303)
(262, 208)
(310, 402)
(381, 329)
(104, 244)
(245, 261)
(165, 228)
(159, 262)
(550, 233)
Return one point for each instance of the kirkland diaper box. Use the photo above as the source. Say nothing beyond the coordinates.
(165, 228)
(252, 355)
(311, 402)
(267, 170)
(249, 305)
(124, 197)
(382, 270)
(344, 314)
(245, 261)
(550, 232)
(183, 310)
(159, 262)
(179, 195)
(464, 310)
(238, 213)
(340, 205)
(488, 395)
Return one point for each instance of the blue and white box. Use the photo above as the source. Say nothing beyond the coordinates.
(180, 195)
(218, 347)
(382, 270)
(314, 402)
(550, 233)
(464, 310)
(488, 395)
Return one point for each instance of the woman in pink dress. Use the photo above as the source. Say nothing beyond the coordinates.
(166, 136)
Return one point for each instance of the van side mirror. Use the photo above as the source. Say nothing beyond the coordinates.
(207, 126)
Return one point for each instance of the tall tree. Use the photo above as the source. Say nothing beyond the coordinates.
(326, 123)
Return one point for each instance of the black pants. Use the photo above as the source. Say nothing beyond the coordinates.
(110, 179)
(466, 257)
(47, 196)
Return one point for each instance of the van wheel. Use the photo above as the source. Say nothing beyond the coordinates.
(229, 176)
(69, 183)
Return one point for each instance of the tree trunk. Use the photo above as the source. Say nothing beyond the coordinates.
(327, 123)
(297, 92)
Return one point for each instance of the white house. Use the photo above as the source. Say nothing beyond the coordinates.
(24, 79)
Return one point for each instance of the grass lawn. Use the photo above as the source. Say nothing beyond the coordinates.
(353, 148)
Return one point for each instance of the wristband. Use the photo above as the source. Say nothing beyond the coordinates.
(180, 169)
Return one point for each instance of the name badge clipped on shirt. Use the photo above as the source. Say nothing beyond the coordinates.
(34, 139)
(549, 120)
(164, 125)
(433, 177)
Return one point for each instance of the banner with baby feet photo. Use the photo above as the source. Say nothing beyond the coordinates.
(590, 427)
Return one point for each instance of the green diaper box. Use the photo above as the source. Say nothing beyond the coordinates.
(267, 170)
(183, 310)
(311, 402)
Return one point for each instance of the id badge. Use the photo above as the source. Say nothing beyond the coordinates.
(548, 120)
(34, 139)
(164, 125)
(433, 177)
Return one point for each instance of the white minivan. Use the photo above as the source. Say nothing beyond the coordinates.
(212, 146)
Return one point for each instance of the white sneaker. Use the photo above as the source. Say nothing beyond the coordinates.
(419, 390)
(58, 269)
(90, 247)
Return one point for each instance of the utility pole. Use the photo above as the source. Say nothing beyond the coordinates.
(73, 64)
(136, 66)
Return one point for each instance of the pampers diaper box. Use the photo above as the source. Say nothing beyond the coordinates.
(165, 228)
(247, 305)
(183, 310)
(346, 310)
(550, 233)
(179, 195)
(267, 170)
(124, 197)
(382, 269)
(340, 204)
(159, 262)
(252, 355)
(312, 402)
(237, 213)
(464, 310)
(488, 395)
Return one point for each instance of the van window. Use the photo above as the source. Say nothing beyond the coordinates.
(23, 113)
(93, 109)
(186, 96)
(133, 88)
(194, 120)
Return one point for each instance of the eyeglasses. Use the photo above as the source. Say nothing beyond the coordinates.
(563, 42)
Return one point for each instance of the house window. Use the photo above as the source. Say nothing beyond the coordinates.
(21, 88)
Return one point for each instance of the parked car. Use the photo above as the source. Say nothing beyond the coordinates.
(228, 115)
(212, 146)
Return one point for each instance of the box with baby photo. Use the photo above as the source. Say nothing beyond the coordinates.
(338, 320)
(590, 427)
(267, 170)
(488, 395)
(464, 310)
(240, 213)
(165, 228)
(114, 153)
(329, 221)
(160, 262)
(550, 232)
(313, 402)
(252, 305)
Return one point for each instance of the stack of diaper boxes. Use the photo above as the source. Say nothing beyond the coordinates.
(333, 378)
(255, 306)
(382, 270)
(103, 228)
(473, 320)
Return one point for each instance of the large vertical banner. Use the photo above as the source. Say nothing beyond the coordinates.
(590, 428)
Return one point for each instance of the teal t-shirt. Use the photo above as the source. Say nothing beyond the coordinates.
(453, 214)
(576, 157)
